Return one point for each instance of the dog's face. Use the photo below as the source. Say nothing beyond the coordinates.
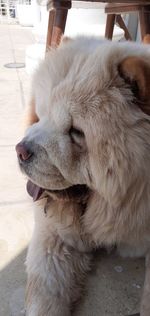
(92, 104)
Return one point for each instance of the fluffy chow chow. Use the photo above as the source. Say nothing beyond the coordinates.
(87, 158)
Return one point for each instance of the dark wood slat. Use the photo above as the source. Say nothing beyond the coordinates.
(66, 4)
(125, 8)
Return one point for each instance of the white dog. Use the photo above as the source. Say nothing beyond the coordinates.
(87, 156)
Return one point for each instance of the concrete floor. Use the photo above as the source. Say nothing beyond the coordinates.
(114, 286)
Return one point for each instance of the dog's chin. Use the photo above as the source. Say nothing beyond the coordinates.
(77, 193)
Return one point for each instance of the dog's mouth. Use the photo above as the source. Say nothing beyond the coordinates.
(78, 193)
(34, 191)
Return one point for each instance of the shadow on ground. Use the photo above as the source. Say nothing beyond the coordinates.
(114, 287)
(12, 285)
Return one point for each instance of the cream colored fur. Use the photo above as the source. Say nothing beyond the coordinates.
(86, 84)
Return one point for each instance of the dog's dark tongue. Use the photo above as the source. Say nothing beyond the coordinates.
(34, 190)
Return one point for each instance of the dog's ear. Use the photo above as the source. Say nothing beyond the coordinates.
(136, 72)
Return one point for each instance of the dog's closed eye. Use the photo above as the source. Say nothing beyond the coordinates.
(77, 136)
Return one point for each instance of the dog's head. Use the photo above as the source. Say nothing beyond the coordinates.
(92, 106)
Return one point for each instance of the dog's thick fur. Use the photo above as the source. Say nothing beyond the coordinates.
(102, 89)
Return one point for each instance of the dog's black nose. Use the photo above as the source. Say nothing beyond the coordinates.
(23, 152)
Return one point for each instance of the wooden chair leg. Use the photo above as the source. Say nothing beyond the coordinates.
(122, 25)
(58, 26)
(50, 29)
(110, 23)
(144, 19)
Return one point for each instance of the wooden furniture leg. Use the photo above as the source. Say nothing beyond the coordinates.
(110, 23)
(122, 25)
(58, 26)
(144, 18)
(50, 29)
(146, 39)
(57, 21)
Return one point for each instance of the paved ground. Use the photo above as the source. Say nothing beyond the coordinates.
(114, 286)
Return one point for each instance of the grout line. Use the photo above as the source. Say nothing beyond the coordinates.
(17, 71)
